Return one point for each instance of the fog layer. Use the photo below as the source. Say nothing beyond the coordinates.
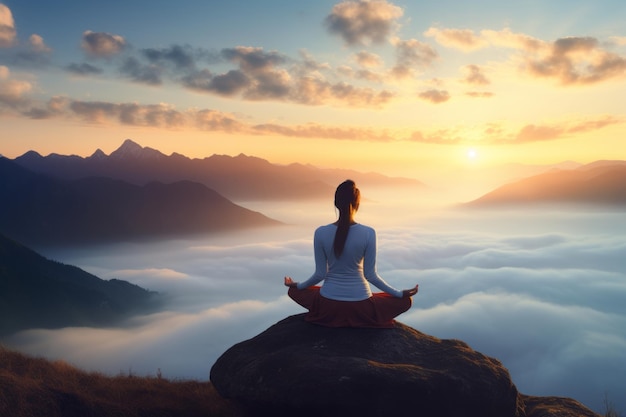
(543, 292)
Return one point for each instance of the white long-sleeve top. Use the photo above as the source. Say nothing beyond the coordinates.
(346, 278)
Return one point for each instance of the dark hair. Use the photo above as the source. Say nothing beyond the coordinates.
(346, 196)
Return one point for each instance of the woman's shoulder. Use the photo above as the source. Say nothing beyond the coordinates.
(326, 228)
(365, 228)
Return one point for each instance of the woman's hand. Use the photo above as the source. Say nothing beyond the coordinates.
(290, 282)
(410, 292)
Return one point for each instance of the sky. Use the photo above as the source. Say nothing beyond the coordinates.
(416, 89)
(405, 88)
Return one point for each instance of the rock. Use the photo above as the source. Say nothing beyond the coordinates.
(298, 368)
(555, 407)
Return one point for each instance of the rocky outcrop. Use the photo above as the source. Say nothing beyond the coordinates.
(297, 368)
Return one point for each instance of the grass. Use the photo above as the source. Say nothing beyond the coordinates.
(35, 387)
(610, 410)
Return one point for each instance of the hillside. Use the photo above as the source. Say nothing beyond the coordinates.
(39, 293)
(35, 387)
(239, 178)
(599, 184)
(41, 209)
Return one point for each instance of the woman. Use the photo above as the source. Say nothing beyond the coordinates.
(345, 259)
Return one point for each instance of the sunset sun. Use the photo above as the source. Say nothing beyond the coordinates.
(471, 154)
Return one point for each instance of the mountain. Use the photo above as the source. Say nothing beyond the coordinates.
(39, 293)
(40, 209)
(239, 178)
(601, 183)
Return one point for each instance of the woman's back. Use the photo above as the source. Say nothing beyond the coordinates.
(346, 277)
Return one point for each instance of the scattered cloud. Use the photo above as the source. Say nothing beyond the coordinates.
(368, 59)
(618, 40)
(463, 39)
(412, 55)
(213, 120)
(37, 44)
(591, 125)
(533, 133)
(546, 132)
(83, 69)
(435, 96)
(479, 94)
(13, 92)
(102, 44)
(569, 61)
(179, 56)
(142, 73)
(577, 60)
(363, 22)
(313, 130)
(7, 27)
(364, 79)
(474, 75)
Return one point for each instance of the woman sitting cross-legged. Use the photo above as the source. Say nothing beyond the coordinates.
(345, 259)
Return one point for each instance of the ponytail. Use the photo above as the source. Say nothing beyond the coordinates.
(347, 196)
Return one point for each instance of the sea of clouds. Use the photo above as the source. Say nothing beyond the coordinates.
(542, 291)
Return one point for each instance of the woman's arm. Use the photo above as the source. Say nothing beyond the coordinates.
(321, 265)
(369, 267)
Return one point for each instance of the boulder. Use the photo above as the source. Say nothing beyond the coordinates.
(555, 407)
(298, 368)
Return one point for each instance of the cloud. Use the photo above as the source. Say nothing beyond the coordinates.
(83, 69)
(474, 75)
(314, 131)
(37, 43)
(313, 91)
(577, 60)
(363, 22)
(591, 125)
(479, 94)
(213, 120)
(13, 92)
(435, 96)
(540, 291)
(146, 74)
(412, 55)
(7, 27)
(133, 114)
(569, 61)
(368, 59)
(102, 44)
(508, 39)
(618, 40)
(252, 59)
(463, 39)
(536, 133)
(533, 133)
(181, 57)
(228, 84)
(259, 72)
(34, 54)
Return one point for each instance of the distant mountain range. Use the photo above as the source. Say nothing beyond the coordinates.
(41, 209)
(601, 183)
(239, 178)
(39, 293)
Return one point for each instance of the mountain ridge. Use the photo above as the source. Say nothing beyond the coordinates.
(599, 183)
(36, 292)
(240, 177)
(39, 209)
